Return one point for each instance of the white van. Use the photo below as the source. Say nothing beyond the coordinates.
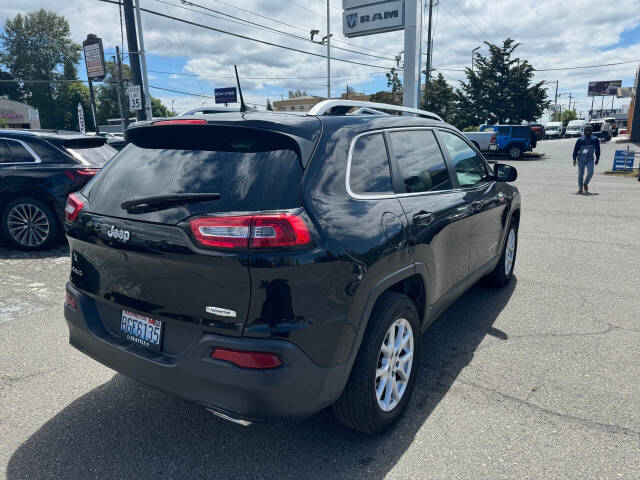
(575, 128)
(553, 130)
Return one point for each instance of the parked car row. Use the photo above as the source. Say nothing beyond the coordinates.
(38, 170)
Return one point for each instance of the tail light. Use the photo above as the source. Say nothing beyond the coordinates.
(185, 121)
(272, 230)
(494, 137)
(73, 207)
(81, 173)
(258, 360)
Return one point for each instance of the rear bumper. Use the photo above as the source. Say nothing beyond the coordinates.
(296, 389)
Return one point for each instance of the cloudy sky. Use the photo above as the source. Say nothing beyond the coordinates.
(554, 34)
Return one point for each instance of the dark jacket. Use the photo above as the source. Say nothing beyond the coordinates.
(583, 142)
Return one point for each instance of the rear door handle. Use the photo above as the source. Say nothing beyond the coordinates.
(423, 218)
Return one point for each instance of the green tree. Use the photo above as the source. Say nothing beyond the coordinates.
(9, 87)
(269, 106)
(568, 115)
(439, 97)
(3, 122)
(500, 89)
(158, 109)
(38, 46)
(394, 97)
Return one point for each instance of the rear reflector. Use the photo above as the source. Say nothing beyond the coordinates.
(186, 121)
(273, 230)
(73, 207)
(259, 360)
(71, 301)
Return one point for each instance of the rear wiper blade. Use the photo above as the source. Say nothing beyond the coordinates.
(159, 202)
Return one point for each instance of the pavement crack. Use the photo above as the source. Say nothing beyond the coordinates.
(8, 380)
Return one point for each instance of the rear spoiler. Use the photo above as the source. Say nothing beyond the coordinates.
(84, 142)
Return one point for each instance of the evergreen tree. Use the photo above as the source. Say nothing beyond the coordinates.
(269, 106)
(439, 98)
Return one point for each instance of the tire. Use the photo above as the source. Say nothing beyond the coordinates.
(501, 275)
(41, 232)
(514, 152)
(359, 406)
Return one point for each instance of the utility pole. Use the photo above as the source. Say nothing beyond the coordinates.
(591, 111)
(143, 57)
(570, 97)
(473, 56)
(601, 105)
(635, 123)
(428, 71)
(328, 52)
(124, 108)
(134, 54)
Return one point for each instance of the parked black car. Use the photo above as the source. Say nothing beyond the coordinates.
(267, 265)
(38, 169)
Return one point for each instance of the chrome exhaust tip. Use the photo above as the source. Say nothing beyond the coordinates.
(239, 421)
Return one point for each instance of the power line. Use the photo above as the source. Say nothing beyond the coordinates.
(265, 78)
(462, 24)
(584, 66)
(305, 8)
(245, 37)
(498, 35)
(258, 25)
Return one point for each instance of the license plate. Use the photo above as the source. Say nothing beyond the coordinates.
(142, 330)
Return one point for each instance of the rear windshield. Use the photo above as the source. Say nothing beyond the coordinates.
(91, 150)
(250, 169)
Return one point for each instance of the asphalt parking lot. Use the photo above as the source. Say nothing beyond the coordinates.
(538, 380)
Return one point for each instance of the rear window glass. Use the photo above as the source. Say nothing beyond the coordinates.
(46, 153)
(251, 171)
(370, 171)
(95, 156)
(521, 132)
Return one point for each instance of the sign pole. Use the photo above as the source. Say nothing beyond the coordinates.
(328, 53)
(93, 107)
(412, 43)
(143, 58)
(124, 111)
(635, 123)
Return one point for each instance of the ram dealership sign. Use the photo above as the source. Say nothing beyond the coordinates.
(366, 17)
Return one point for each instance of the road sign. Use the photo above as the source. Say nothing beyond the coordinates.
(623, 159)
(81, 125)
(94, 57)
(360, 19)
(135, 98)
(226, 95)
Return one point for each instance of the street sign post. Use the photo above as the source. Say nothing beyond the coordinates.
(94, 61)
(623, 160)
(226, 95)
(81, 125)
(135, 98)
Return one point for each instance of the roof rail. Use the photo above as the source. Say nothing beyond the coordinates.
(341, 107)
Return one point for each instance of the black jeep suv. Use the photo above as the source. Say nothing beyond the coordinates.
(269, 265)
(38, 170)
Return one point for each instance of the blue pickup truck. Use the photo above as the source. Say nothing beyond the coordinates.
(513, 140)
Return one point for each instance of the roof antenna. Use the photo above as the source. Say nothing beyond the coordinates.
(243, 107)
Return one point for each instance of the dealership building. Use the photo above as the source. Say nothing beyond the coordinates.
(19, 115)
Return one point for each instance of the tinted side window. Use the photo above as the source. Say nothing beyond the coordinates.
(421, 163)
(19, 153)
(470, 168)
(46, 153)
(5, 154)
(370, 171)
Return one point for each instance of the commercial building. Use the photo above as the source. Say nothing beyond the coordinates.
(19, 115)
(305, 102)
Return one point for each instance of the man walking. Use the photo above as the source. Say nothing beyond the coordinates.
(605, 133)
(583, 153)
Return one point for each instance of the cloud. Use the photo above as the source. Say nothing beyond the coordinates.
(552, 34)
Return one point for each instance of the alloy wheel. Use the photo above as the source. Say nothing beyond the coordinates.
(394, 364)
(28, 225)
(510, 252)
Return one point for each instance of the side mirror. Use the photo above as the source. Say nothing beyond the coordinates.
(504, 173)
